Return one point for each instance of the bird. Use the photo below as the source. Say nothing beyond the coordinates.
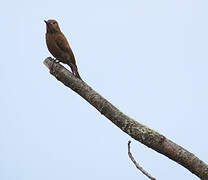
(59, 47)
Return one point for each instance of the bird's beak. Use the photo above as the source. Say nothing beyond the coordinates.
(45, 21)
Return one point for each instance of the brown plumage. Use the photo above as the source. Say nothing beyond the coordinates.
(59, 47)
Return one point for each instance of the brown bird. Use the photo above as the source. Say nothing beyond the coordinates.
(59, 47)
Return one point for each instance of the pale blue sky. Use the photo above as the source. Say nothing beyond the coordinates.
(149, 58)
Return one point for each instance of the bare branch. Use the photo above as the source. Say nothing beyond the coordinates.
(136, 130)
(137, 165)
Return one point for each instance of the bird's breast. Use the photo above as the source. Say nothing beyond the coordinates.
(60, 50)
(52, 47)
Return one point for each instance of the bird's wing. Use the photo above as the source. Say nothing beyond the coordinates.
(62, 43)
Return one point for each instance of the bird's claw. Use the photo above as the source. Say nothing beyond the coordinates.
(56, 61)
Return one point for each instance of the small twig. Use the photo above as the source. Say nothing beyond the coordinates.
(137, 165)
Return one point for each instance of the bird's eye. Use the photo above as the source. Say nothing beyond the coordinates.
(54, 22)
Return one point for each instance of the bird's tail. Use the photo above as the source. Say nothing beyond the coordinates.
(75, 70)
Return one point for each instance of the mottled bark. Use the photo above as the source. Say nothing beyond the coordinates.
(136, 130)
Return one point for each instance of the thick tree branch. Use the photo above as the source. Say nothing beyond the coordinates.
(139, 132)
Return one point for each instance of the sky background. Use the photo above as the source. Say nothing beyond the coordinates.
(149, 58)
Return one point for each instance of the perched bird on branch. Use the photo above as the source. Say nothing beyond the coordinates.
(59, 47)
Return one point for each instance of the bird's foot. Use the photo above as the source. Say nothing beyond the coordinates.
(56, 61)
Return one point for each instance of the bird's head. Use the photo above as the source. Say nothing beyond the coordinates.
(52, 26)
